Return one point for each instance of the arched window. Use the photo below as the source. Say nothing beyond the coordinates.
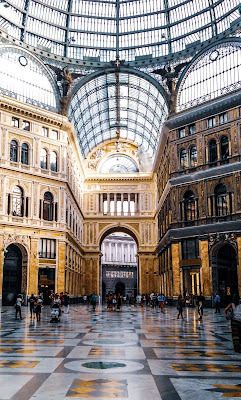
(189, 206)
(193, 157)
(183, 159)
(24, 153)
(43, 158)
(224, 149)
(14, 151)
(213, 153)
(53, 161)
(17, 201)
(48, 207)
(221, 200)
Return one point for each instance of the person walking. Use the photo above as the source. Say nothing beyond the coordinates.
(61, 297)
(217, 302)
(180, 306)
(18, 307)
(119, 302)
(38, 307)
(235, 306)
(94, 299)
(66, 303)
(51, 298)
(161, 300)
(32, 301)
(200, 303)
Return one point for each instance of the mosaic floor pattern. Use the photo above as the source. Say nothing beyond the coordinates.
(136, 354)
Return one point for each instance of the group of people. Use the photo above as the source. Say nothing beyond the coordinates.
(36, 304)
(62, 300)
(114, 302)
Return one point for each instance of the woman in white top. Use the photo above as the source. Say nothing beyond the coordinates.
(235, 322)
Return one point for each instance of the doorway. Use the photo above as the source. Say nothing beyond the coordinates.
(225, 277)
(120, 289)
(12, 275)
(46, 283)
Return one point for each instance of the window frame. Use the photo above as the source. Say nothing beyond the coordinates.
(14, 146)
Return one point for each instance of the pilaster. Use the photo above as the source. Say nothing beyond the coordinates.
(176, 269)
(33, 266)
(239, 264)
(205, 272)
(1, 266)
(61, 266)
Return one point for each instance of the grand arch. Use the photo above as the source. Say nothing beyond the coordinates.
(147, 260)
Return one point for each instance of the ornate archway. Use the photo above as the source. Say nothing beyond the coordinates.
(118, 267)
(14, 273)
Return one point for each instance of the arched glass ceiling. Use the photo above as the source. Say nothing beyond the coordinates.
(117, 105)
(107, 29)
(214, 73)
(25, 78)
(118, 163)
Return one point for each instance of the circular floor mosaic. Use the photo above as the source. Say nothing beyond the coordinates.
(109, 343)
(103, 366)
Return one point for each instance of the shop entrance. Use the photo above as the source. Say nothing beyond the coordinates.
(46, 283)
(225, 278)
(12, 275)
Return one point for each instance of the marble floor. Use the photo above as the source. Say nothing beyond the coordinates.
(137, 354)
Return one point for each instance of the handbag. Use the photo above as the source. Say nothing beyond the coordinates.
(229, 314)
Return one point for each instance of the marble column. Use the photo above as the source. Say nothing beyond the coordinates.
(101, 203)
(108, 203)
(206, 275)
(115, 204)
(61, 266)
(122, 203)
(33, 266)
(176, 269)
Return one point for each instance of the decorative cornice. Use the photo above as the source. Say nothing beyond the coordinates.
(130, 178)
(29, 111)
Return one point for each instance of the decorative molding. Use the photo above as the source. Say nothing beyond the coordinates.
(222, 238)
(14, 238)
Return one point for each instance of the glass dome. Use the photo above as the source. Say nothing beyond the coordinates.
(24, 77)
(106, 30)
(117, 164)
(118, 105)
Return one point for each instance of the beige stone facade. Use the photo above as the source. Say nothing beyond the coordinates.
(152, 207)
(198, 210)
(79, 223)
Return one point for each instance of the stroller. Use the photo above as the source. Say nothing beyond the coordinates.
(55, 313)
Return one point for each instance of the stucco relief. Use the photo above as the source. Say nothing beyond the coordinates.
(234, 136)
(16, 239)
(222, 238)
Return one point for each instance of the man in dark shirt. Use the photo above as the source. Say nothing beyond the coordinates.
(200, 302)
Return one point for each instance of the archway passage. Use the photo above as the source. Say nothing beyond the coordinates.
(12, 275)
(119, 268)
(225, 274)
